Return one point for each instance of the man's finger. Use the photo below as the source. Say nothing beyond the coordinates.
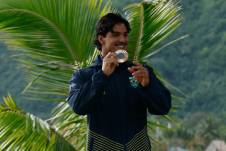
(108, 55)
(138, 67)
(113, 55)
(135, 68)
(138, 73)
(112, 61)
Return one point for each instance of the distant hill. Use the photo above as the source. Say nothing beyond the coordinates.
(12, 76)
(197, 64)
(13, 81)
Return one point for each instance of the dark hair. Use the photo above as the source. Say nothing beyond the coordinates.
(106, 24)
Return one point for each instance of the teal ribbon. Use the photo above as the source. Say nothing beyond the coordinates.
(133, 82)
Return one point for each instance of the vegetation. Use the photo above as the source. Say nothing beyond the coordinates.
(52, 42)
(21, 129)
(195, 65)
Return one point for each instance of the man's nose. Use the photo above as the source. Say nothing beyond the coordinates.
(123, 39)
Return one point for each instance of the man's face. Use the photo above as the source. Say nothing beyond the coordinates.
(115, 40)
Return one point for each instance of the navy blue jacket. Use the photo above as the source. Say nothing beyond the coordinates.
(116, 110)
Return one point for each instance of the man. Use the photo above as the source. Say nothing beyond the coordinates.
(115, 105)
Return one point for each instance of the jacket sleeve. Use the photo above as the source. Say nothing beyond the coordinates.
(156, 96)
(85, 91)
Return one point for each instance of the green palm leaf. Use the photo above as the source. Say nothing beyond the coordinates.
(151, 23)
(71, 126)
(53, 36)
(24, 131)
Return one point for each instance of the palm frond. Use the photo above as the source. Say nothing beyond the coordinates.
(24, 131)
(71, 126)
(151, 23)
(54, 37)
(166, 45)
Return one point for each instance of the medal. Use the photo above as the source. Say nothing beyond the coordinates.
(122, 56)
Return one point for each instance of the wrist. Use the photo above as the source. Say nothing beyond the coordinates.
(105, 73)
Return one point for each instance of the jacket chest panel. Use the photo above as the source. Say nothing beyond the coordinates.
(120, 93)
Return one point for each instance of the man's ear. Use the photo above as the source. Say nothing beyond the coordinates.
(101, 39)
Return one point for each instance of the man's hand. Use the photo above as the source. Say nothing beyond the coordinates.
(140, 73)
(109, 63)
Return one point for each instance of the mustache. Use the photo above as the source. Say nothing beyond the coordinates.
(121, 43)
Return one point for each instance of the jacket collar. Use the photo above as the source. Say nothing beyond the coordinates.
(98, 61)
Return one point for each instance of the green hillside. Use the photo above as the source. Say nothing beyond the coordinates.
(11, 75)
(13, 81)
(197, 64)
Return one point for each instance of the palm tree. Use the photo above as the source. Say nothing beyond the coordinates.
(19, 130)
(54, 37)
